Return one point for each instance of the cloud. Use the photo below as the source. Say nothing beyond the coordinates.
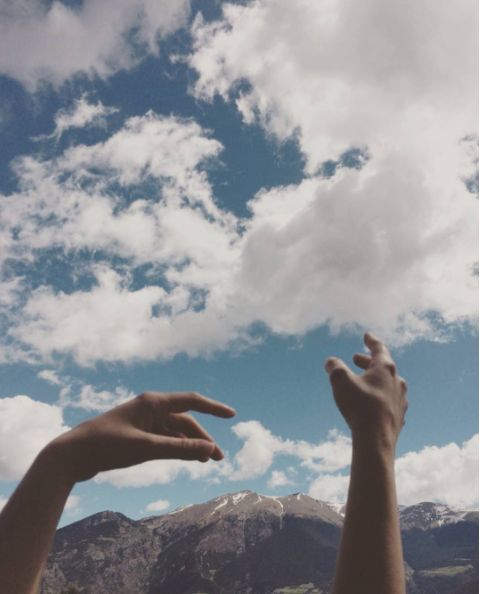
(3, 502)
(72, 504)
(80, 115)
(76, 394)
(333, 89)
(50, 376)
(26, 426)
(330, 487)
(162, 472)
(447, 474)
(175, 272)
(53, 42)
(253, 460)
(392, 233)
(158, 506)
(278, 479)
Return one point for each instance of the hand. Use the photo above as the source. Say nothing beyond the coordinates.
(374, 403)
(151, 426)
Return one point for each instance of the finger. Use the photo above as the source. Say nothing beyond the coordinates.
(181, 448)
(183, 401)
(338, 372)
(190, 427)
(380, 353)
(361, 360)
(403, 385)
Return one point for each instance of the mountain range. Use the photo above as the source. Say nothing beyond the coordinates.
(247, 543)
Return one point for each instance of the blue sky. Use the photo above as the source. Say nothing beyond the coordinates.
(196, 199)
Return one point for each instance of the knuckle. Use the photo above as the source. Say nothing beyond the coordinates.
(146, 400)
(392, 368)
(338, 374)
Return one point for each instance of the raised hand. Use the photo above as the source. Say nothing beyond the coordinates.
(373, 403)
(153, 425)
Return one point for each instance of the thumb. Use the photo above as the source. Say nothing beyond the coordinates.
(183, 448)
(339, 374)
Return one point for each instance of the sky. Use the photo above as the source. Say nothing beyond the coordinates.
(217, 196)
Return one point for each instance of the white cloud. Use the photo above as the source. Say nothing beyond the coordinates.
(26, 426)
(158, 506)
(161, 472)
(330, 487)
(401, 232)
(176, 273)
(3, 502)
(81, 114)
(50, 376)
(53, 42)
(72, 504)
(278, 479)
(330, 85)
(76, 394)
(257, 453)
(91, 399)
(448, 474)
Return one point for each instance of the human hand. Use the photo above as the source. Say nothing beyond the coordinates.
(151, 426)
(374, 403)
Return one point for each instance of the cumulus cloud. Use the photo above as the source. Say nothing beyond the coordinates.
(158, 506)
(26, 426)
(162, 472)
(447, 474)
(331, 87)
(253, 460)
(330, 487)
(278, 479)
(393, 233)
(398, 233)
(52, 41)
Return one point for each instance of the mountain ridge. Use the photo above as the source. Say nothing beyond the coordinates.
(248, 543)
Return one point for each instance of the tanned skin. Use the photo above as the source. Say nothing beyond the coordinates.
(370, 559)
(150, 427)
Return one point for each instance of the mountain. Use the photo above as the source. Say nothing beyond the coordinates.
(246, 543)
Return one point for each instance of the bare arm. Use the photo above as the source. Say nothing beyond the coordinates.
(373, 404)
(152, 426)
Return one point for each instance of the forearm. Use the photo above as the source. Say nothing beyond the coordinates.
(370, 557)
(28, 522)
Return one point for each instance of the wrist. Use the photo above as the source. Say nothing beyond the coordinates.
(374, 446)
(54, 464)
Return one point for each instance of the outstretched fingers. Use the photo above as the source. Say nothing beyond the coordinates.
(181, 448)
(189, 427)
(184, 401)
(361, 360)
(338, 372)
(380, 353)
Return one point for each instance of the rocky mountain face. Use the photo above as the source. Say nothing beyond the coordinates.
(246, 543)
